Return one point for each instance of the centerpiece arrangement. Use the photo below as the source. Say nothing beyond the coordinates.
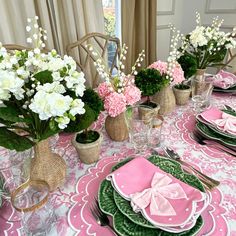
(41, 94)
(118, 91)
(174, 74)
(207, 45)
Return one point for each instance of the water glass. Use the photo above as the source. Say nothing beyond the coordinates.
(201, 93)
(32, 200)
(139, 120)
(155, 132)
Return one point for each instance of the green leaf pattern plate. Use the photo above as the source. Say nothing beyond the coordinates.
(211, 134)
(129, 223)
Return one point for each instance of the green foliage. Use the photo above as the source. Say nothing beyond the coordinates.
(44, 77)
(81, 122)
(87, 137)
(150, 81)
(110, 24)
(188, 64)
(92, 100)
(13, 141)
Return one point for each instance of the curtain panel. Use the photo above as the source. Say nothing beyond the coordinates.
(138, 27)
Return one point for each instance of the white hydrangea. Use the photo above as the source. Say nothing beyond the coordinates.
(75, 82)
(49, 105)
(55, 87)
(197, 37)
(10, 82)
(77, 107)
(62, 121)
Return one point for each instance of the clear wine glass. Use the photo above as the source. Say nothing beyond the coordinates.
(139, 120)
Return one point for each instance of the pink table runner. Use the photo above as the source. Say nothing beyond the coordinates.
(72, 201)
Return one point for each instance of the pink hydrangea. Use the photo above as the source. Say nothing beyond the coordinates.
(103, 89)
(132, 94)
(178, 74)
(115, 104)
(159, 65)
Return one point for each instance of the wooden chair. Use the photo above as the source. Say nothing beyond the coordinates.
(230, 61)
(12, 47)
(107, 47)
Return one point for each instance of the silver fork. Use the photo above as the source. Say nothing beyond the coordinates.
(100, 217)
(208, 181)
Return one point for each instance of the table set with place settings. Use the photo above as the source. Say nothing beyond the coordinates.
(131, 191)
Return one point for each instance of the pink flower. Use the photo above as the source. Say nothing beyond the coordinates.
(178, 74)
(115, 104)
(103, 89)
(159, 65)
(132, 94)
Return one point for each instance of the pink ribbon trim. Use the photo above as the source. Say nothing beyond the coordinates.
(157, 195)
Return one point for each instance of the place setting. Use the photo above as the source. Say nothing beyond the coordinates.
(217, 128)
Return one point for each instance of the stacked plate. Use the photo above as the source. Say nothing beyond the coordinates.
(224, 82)
(218, 125)
(153, 197)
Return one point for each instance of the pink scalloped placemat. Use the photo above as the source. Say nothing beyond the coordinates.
(81, 220)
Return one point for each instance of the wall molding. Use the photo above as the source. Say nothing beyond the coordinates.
(171, 12)
(165, 27)
(209, 10)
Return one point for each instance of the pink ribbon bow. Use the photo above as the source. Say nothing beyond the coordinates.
(227, 122)
(157, 195)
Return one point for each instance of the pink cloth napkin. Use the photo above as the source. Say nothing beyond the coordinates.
(224, 80)
(163, 200)
(221, 120)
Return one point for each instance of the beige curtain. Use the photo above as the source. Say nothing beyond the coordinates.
(66, 21)
(138, 26)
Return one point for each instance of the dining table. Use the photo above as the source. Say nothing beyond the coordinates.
(73, 200)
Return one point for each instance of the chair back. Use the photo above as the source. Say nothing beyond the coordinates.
(12, 47)
(106, 46)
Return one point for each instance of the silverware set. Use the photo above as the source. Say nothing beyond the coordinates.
(207, 181)
(204, 141)
(100, 217)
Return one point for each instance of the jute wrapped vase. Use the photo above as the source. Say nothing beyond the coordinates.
(47, 166)
(166, 99)
(116, 127)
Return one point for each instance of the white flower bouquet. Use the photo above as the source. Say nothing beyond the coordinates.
(207, 44)
(40, 93)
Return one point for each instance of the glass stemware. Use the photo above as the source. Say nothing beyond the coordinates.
(139, 121)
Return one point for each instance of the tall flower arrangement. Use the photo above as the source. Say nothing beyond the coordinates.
(207, 44)
(40, 93)
(171, 70)
(119, 90)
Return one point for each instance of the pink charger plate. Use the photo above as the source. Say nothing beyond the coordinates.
(83, 223)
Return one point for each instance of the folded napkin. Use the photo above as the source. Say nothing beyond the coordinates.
(164, 200)
(224, 80)
(220, 119)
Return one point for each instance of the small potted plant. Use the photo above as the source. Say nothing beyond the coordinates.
(150, 81)
(87, 142)
(182, 90)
